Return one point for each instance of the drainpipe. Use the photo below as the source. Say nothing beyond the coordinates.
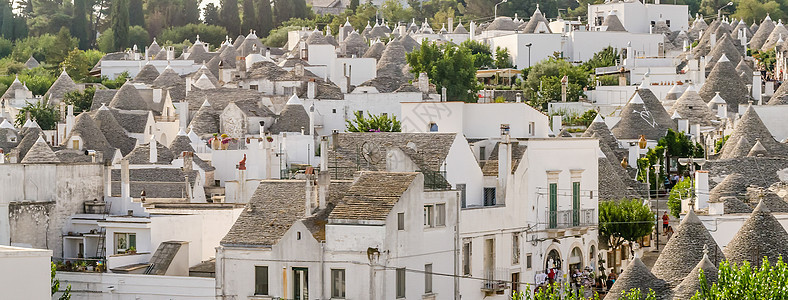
(322, 269)
(284, 283)
(457, 249)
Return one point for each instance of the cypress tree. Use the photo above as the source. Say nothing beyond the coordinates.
(136, 14)
(119, 17)
(7, 27)
(283, 11)
(265, 16)
(79, 24)
(20, 27)
(249, 16)
(353, 5)
(211, 14)
(229, 16)
(191, 11)
(300, 9)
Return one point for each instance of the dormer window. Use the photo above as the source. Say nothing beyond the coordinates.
(12, 139)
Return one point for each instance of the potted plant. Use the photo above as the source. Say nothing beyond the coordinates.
(132, 250)
(269, 138)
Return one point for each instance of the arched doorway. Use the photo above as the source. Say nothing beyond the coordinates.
(592, 260)
(553, 260)
(575, 259)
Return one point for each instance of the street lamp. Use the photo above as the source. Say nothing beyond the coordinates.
(504, 1)
(719, 11)
(691, 161)
(529, 51)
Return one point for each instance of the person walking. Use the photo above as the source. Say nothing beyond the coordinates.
(665, 221)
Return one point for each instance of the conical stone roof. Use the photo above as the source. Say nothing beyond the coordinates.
(725, 80)
(691, 284)
(704, 41)
(613, 23)
(744, 67)
(637, 276)
(205, 122)
(751, 127)
(780, 96)
(741, 149)
(167, 78)
(128, 98)
(533, 23)
(723, 46)
(763, 32)
(758, 150)
(40, 153)
(181, 144)
(91, 135)
(147, 74)
(643, 115)
(30, 137)
(60, 87)
(354, 44)
(502, 23)
(375, 51)
(293, 118)
(408, 43)
(778, 32)
(771, 200)
(599, 127)
(760, 236)
(113, 132)
(685, 249)
(691, 107)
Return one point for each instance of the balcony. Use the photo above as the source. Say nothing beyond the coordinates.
(495, 281)
(567, 219)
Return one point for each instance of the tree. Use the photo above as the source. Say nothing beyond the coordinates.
(79, 24)
(82, 100)
(55, 284)
(543, 81)
(373, 123)
(265, 16)
(604, 58)
(210, 34)
(136, 14)
(76, 65)
(393, 11)
(116, 83)
(502, 58)
(750, 10)
(625, 220)
(7, 28)
(448, 66)
(681, 191)
(250, 17)
(138, 36)
(210, 14)
(745, 282)
(283, 10)
(353, 5)
(230, 17)
(44, 114)
(120, 24)
(63, 43)
(482, 56)
(191, 11)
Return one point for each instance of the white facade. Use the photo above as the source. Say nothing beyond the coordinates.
(109, 286)
(543, 46)
(113, 68)
(474, 119)
(581, 45)
(26, 273)
(638, 17)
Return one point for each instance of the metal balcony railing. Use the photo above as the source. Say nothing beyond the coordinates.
(571, 218)
(495, 279)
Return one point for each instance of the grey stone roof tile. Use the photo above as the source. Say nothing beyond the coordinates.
(147, 74)
(685, 249)
(141, 155)
(691, 284)
(637, 276)
(40, 153)
(725, 80)
(114, 133)
(128, 98)
(643, 115)
(372, 196)
(760, 236)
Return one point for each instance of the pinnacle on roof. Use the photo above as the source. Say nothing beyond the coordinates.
(691, 106)
(717, 99)
(675, 115)
(294, 100)
(763, 32)
(724, 47)
(760, 236)
(685, 249)
(643, 115)
(636, 99)
(347, 22)
(6, 124)
(752, 128)
(598, 119)
(724, 79)
(758, 149)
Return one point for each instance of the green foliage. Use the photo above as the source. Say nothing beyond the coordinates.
(587, 117)
(82, 100)
(448, 66)
(55, 284)
(746, 282)
(718, 145)
(120, 25)
(116, 83)
(765, 59)
(557, 291)
(49, 16)
(373, 123)
(210, 14)
(210, 34)
(353, 5)
(38, 80)
(604, 58)
(482, 56)
(78, 63)
(392, 10)
(250, 16)
(44, 114)
(502, 58)
(278, 36)
(6, 47)
(266, 17)
(682, 190)
(285, 10)
(136, 14)
(138, 36)
(191, 11)
(625, 220)
(543, 82)
(608, 80)
(79, 24)
(751, 10)
(229, 16)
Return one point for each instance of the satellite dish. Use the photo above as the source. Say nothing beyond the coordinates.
(371, 152)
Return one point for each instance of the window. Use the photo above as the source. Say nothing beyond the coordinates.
(254, 87)
(429, 212)
(553, 205)
(125, 242)
(288, 90)
(489, 255)
(482, 153)
(531, 128)
(400, 282)
(515, 283)
(466, 258)
(461, 187)
(528, 261)
(440, 214)
(489, 196)
(575, 203)
(298, 235)
(333, 110)
(12, 139)
(433, 127)
(428, 278)
(400, 221)
(515, 248)
(75, 145)
(261, 280)
(337, 283)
